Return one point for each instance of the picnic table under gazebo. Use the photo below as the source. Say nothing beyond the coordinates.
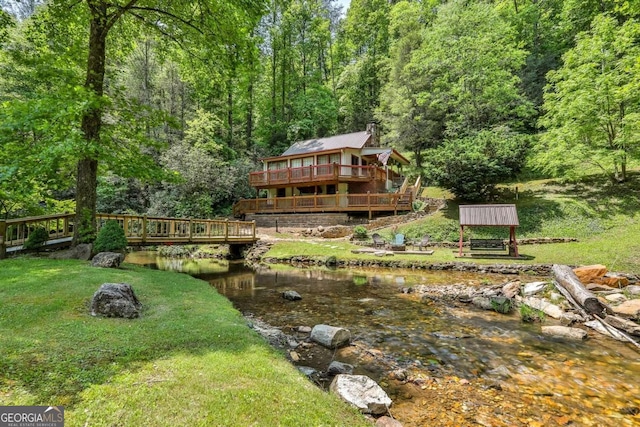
(492, 215)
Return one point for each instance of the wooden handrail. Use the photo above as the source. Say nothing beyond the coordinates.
(374, 202)
(139, 229)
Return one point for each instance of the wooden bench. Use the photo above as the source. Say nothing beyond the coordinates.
(487, 244)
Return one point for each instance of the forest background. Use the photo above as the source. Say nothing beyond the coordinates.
(193, 93)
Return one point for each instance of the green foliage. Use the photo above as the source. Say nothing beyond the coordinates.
(593, 103)
(501, 305)
(530, 315)
(360, 232)
(110, 238)
(37, 238)
(453, 88)
(471, 167)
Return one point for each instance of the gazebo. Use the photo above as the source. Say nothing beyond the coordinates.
(490, 216)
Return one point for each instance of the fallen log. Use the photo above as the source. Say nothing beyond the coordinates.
(632, 328)
(565, 279)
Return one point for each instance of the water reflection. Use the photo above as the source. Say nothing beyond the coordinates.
(470, 342)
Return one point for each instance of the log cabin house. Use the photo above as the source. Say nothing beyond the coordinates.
(349, 174)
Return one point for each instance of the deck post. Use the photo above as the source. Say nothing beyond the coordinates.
(190, 229)
(460, 242)
(3, 231)
(144, 229)
(369, 203)
(226, 229)
(253, 228)
(294, 200)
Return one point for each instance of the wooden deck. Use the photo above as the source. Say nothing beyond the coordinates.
(320, 174)
(382, 202)
(139, 230)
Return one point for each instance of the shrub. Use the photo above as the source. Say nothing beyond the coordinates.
(501, 305)
(110, 238)
(36, 239)
(360, 232)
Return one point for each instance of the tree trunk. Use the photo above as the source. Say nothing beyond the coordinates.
(87, 178)
(567, 279)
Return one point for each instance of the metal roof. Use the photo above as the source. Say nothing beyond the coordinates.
(349, 140)
(491, 215)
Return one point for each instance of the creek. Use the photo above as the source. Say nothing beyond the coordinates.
(465, 366)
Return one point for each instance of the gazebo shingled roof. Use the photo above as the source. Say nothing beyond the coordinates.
(490, 216)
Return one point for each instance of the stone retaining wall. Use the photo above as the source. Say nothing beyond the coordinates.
(532, 269)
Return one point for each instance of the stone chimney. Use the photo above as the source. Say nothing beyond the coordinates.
(372, 128)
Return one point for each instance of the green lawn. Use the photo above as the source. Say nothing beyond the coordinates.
(189, 360)
(605, 218)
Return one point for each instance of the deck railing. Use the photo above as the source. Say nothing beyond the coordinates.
(363, 202)
(138, 229)
(319, 173)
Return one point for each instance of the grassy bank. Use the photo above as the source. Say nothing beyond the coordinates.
(189, 360)
(605, 218)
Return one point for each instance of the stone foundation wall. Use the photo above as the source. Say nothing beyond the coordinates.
(306, 220)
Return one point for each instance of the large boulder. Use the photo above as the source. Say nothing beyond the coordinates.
(107, 260)
(590, 273)
(115, 300)
(361, 392)
(330, 336)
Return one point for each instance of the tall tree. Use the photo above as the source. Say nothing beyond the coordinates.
(593, 102)
(190, 23)
(364, 46)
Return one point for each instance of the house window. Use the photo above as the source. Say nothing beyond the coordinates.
(281, 192)
(331, 189)
(296, 163)
(307, 161)
(272, 166)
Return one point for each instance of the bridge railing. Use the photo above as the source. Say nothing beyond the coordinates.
(139, 230)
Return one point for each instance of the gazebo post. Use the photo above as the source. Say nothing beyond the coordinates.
(512, 240)
(460, 243)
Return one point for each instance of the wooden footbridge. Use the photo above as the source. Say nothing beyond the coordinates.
(140, 231)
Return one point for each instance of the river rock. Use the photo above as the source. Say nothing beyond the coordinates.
(330, 336)
(482, 302)
(545, 306)
(291, 296)
(387, 422)
(598, 287)
(615, 298)
(304, 329)
(565, 332)
(614, 280)
(307, 371)
(633, 290)
(107, 260)
(628, 309)
(361, 392)
(533, 288)
(590, 273)
(336, 368)
(511, 289)
(115, 300)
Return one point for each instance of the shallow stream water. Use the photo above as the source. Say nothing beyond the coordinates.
(493, 369)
